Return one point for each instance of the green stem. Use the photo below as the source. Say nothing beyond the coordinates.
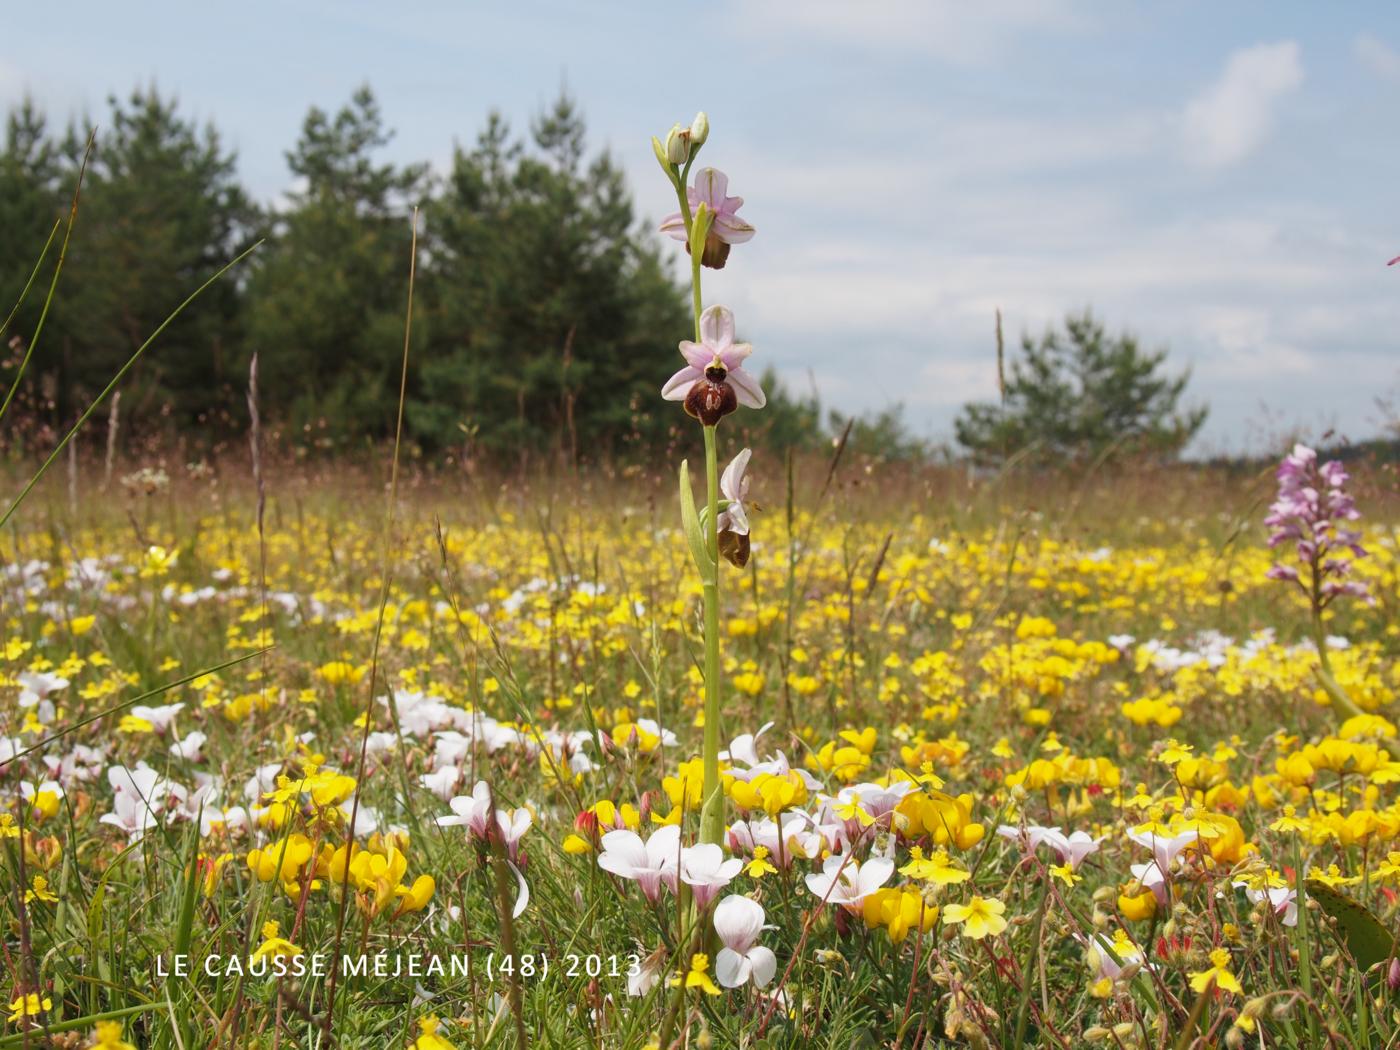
(712, 813)
(1023, 1007)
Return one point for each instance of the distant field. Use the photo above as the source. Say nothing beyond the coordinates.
(938, 656)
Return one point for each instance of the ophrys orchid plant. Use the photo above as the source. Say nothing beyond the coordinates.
(712, 384)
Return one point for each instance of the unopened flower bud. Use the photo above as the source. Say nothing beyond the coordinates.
(677, 145)
(1392, 974)
(699, 130)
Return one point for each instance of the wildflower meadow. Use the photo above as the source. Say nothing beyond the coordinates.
(735, 748)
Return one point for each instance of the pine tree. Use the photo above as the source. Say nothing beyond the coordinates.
(326, 300)
(1080, 396)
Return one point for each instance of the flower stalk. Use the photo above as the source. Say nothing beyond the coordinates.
(712, 385)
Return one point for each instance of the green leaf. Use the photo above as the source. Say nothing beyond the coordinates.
(700, 229)
(691, 521)
(1368, 941)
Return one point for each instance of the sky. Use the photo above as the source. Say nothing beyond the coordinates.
(1218, 179)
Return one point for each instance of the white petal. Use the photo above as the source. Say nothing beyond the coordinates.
(678, 386)
(731, 968)
(746, 389)
(731, 481)
(717, 328)
(523, 899)
(763, 964)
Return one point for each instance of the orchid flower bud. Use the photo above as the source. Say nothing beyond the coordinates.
(699, 130)
(677, 145)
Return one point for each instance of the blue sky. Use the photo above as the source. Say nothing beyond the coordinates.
(1221, 179)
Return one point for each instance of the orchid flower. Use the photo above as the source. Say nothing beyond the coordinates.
(734, 486)
(739, 921)
(713, 379)
(711, 189)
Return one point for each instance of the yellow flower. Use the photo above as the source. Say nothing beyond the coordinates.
(416, 897)
(1065, 873)
(1142, 905)
(574, 845)
(978, 917)
(698, 975)
(759, 866)
(109, 1037)
(429, 1039)
(40, 892)
(1219, 974)
(937, 869)
(29, 1006)
(274, 945)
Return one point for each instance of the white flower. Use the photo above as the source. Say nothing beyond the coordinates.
(37, 685)
(471, 811)
(649, 971)
(159, 717)
(706, 872)
(739, 921)
(1150, 877)
(1166, 849)
(1283, 901)
(190, 747)
(846, 882)
(648, 863)
(138, 793)
(442, 781)
(735, 487)
(794, 840)
(1072, 848)
(513, 824)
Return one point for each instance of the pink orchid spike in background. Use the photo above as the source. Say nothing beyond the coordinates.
(710, 188)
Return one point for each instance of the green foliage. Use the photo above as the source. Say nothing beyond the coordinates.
(161, 210)
(325, 306)
(547, 315)
(1366, 938)
(553, 318)
(1081, 396)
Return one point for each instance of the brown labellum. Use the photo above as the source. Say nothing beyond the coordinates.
(711, 398)
(735, 547)
(716, 252)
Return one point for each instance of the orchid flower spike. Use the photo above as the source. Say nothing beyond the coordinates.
(710, 189)
(713, 383)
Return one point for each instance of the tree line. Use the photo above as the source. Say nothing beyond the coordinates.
(545, 311)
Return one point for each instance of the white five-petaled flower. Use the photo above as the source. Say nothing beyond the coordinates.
(1165, 848)
(706, 872)
(739, 921)
(513, 824)
(1071, 848)
(159, 717)
(649, 864)
(846, 882)
(471, 811)
(716, 349)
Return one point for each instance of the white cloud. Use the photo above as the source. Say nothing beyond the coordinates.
(1231, 119)
(1377, 56)
(951, 30)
